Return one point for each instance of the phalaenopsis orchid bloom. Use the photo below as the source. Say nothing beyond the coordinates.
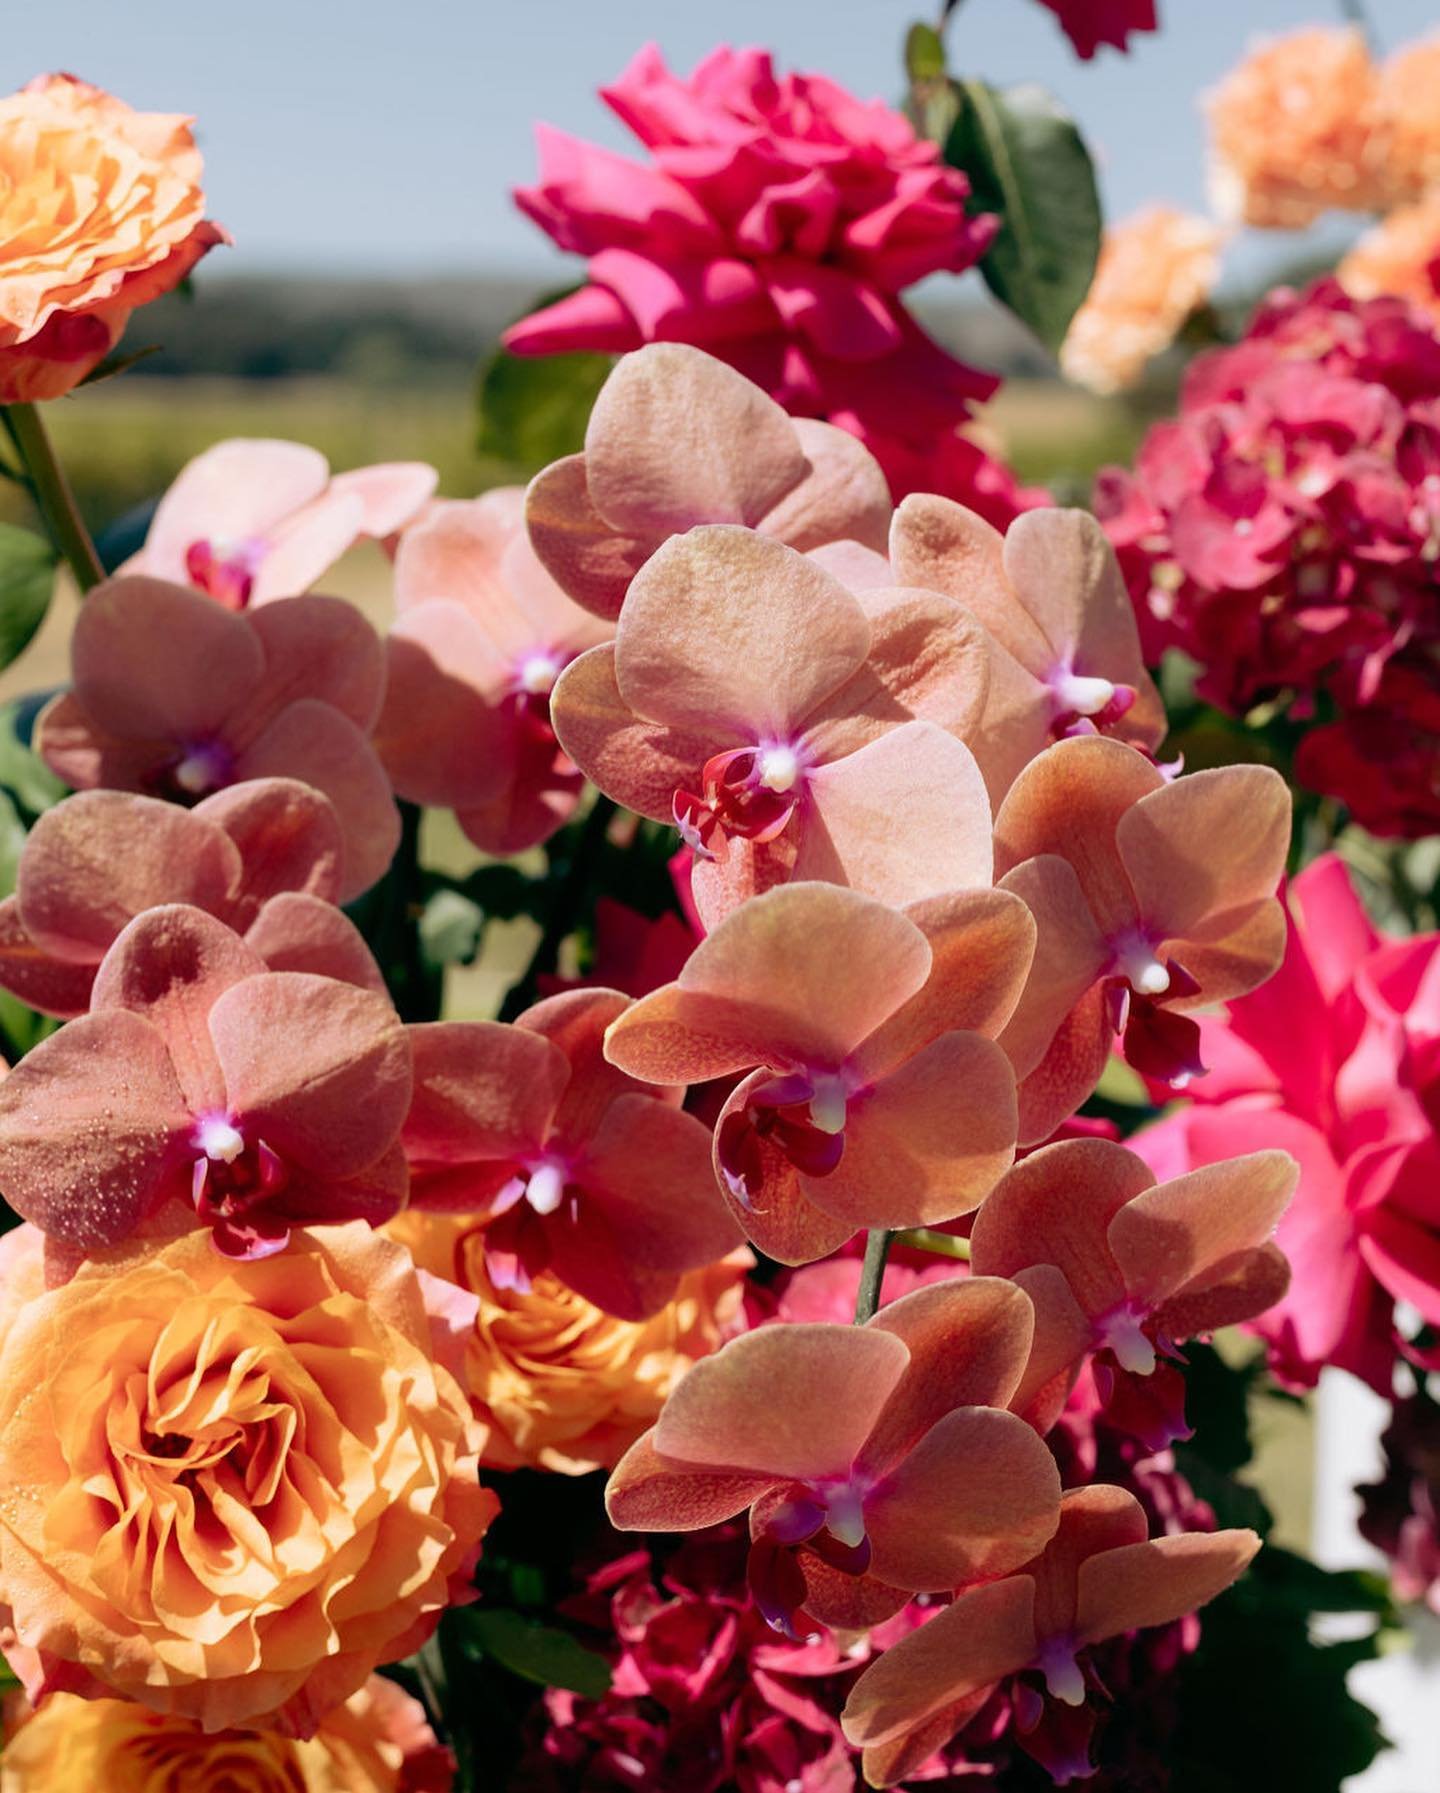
(1130, 1268)
(789, 728)
(677, 438)
(1064, 649)
(483, 633)
(253, 520)
(175, 696)
(264, 857)
(568, 1164)
(1100, 1575)
(1151, 896)
(203, 1088)
(877, 1461)
(876, 1095)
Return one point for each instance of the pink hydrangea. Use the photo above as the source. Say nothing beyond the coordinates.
(1283, 532)
(776, 224)
(1336, 1060)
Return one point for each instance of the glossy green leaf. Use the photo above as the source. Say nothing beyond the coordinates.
(539, 1653)
(27, 579)
(1027, 162)
(534, 408)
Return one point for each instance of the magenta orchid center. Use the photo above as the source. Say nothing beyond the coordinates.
(232, 1178)
(225, 570)
(802, 1115)
(545, 1187)
(1122, 1332)
(747, 793)
(536, 674)
(1085, 704)
(201, 768)
(1064, 1678)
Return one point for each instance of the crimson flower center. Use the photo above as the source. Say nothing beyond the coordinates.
(746, 793)
(225, 570)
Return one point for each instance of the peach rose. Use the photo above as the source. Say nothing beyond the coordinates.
(1400, 256)
(561, 1384)
(1408, 84)
(103, 212)
(1154, 270)
(231, 1489)
(377, 1742)
(1293, 131)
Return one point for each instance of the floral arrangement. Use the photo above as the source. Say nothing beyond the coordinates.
(773, 1346)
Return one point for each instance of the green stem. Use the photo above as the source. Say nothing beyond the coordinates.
(1356, 13)
(872, 1274)
(566, 906)
(943, 1245)
(52, 494)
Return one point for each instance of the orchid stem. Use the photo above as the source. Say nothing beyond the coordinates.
(872, 1274)
(53, 495)
(943, 1245)
(566, 907)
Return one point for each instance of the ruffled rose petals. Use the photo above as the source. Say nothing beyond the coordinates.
(1146, 1265)
(264, 857)
(482, 634)
(203, 1083)
(1100, 1576)
(876, 1461)
(232, 1489)
(677, 439)
(291, 689)
(249, 521)
(570, 1166)
(1151, 897)
(785, 727)
(876, 1095)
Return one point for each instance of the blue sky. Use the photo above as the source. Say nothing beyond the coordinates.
(383, 136)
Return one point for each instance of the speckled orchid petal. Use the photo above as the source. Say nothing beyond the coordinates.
(1158, 1581)
(1206, 844)
(985, 1634)
(842, 497)
(795, 1401)
(1167, 1236)
(1231, 954)
(647, 1492)
(583, 554)
(91, 1125)
(94, 862)
(1238, 1288)
(969, 1342)
(50, 985)
(295, 931)
(939, 544)
(171, 965)
(391, 493)
(978, 1496)
(441, 734)
(798, 976)
(319, 1068)
(289, 839)
(905, 817)
(725, 623)
(889, 1764)
(575, 1021)
(482, 1090)
(1069, 802)
(323, 649)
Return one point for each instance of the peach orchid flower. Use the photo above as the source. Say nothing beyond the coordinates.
(1151, 896)
(1099, 1576)
(264, 857)
(876, 1095)
(249, 520)
(173, 696)
(877, 1461)
(1125, 1266)
(677, 438)
(789, 728)
(569, 1165)
(202, 1083)
(1065, 651)
(482, 634)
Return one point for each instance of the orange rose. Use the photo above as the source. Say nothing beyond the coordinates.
(1408, 84)
(231, 1488)
(1294, 131)
(1154, 270)
(103, 212)
(561, 1384)
(1400, 256)
(375, 1743)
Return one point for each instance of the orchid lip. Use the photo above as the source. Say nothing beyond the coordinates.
(778, 768)
(1122, 1333)
(219, 1139)
(1085, 696)
(545, 1189)
(537, 674)
(1141, 969)
(1064, 1678)
(828, 1104)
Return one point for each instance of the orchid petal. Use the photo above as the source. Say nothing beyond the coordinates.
(482, 1090)
(295, 931)
(646, 1492)
(1157, 1582)
(578, 548)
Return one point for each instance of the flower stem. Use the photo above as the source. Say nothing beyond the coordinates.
(943, 1245)
(872, 1274)
(566, 905)
(52, 494)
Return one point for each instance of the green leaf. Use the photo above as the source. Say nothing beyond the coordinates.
(450, 928)
(22, 772)
(27, 578)
(534, 408)
(536, 1652)
(119, 364)
(1027, 162)
(924, 54)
